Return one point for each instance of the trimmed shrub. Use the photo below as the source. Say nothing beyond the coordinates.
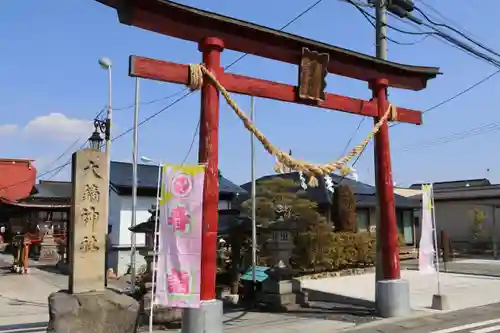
(331, 251)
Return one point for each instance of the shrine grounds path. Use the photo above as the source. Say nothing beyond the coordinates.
(23, 305)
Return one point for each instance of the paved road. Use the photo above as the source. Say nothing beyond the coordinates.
(472, 267)
(483, 319)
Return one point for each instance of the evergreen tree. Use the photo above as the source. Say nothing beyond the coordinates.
(344, 209)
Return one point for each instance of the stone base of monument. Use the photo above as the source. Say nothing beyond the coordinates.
(284, 295)
(104, 311)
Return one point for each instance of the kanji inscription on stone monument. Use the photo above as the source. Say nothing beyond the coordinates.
(88, 221)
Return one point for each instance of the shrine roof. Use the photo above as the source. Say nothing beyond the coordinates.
(189, 23)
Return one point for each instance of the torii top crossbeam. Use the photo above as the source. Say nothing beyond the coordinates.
(176, 20)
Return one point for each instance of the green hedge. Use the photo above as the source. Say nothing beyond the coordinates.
(319, 251)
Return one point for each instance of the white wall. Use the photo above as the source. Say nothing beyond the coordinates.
(119, 260)
(114, 216)
(143, 214)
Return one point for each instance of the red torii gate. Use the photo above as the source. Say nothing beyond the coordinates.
(215, 32)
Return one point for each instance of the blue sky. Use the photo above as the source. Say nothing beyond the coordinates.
(51, 86)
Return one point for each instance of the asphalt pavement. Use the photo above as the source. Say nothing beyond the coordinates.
(463, 266)
(483, 319)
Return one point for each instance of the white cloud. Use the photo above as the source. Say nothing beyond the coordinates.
(8, 130)
(58, 126)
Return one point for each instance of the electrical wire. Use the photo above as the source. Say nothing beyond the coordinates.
(192, 142)
(449, 99)
(481, 45)
(445, 18)
(458, 136)
(153, 101)
(58, 169)
(305, 11)
(371, 20)
(293, 20)
(452, 41)
(435, 33)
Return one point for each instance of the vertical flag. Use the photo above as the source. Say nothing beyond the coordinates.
(179, 250)
(426, 256)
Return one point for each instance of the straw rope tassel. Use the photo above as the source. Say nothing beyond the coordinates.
(196, 74)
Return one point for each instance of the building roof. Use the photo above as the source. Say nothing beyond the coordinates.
(456, 184)
(365, 194)
(17, 177)
(147, 175)
(52, 189)
(121, 178)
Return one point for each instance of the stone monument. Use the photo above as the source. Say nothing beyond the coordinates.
(88, 306)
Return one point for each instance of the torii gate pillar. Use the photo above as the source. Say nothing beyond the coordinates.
(207, 318)
(392, 293)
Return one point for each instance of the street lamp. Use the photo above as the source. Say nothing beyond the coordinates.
(95, 140)
(106, 64)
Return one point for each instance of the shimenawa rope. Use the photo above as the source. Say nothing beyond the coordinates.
(196, 73)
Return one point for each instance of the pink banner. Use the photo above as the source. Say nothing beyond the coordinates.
(179, 247)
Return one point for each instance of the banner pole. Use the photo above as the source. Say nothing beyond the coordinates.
(155, 246)
(436, 249)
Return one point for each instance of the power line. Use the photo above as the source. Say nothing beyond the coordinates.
(445, 18)
(449, 99)
(58, 169)
(305, 11)
(431, 34)
(437, 33)
(481, 45)
(197, 129)
(293, 20)
(153, 101)
(371, 19)
(472, 132)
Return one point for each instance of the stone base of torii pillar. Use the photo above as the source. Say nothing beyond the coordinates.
(207, 318)
(393, 298)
